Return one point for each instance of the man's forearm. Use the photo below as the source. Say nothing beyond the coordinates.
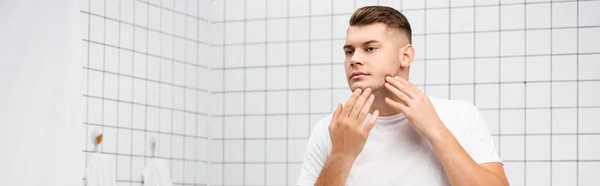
(460, 168)
(335, 171)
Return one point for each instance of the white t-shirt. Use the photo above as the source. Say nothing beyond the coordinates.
(395, 154)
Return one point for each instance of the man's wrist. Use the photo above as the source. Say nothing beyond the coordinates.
(342, 157)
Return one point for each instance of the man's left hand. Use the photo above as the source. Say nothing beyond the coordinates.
(414, 104)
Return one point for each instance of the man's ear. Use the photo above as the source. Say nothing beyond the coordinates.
(407, 54)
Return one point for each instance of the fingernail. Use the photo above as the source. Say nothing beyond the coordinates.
(397, 77)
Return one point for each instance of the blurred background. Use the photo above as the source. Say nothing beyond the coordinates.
(230, 89)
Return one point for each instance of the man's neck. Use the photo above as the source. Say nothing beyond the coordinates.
(379, 103)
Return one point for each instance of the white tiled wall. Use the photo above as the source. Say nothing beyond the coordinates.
(530, 66)
(230, 89)
(146, 75)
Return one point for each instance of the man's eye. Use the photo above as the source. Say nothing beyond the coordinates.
(370, 49)
(349, 52)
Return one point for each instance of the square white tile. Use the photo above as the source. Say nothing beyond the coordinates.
(276, 126)
(538, 95)
(277, 30)
(299, 53)
(320, 52)
(277, 78)
(538, 173)
(538, 15)
(587, 146)
(487, 96)
(511, 17)
(538, 147)
(256, 55)
(234, 32)
(512, 95)
(538, 68)
(297, 77)
(320, 76)
(255, 31)
(512, 121)
(299, 29)
(588, 13)
(512, 43)
(320, 101)
(276, 174)
(588, 173)
(255, 150)
(256, 9)
(234, 151)
(512, 69)
(538, 42)
(462, 45)
(589, 41)
(255, 174)
(538, 121)
(320, 7)
(515, 172)
(563, 68)
(255, 127)
(296, 149)
(564, 94)
(276, 150)
(275, 102)
(587, 122)
(276, 54)
(462, 92)
(298, 126)
(437, 46)
(588, 67)
(234, 127)
(564, 120)
(235, 9)
(320, 27)
(297, 103)
(342, 6)
(234, 174)
(512, 148)
(437, 21)
(487, 44)
(564, 173)
(487, 18)
(255, 103)
(588, 92)
(298, 8)
(564, 147)
(255, 79)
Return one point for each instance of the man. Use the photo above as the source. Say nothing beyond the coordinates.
(389, 132)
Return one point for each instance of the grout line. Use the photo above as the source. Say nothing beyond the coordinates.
(142, 104)
(143, 27)
(146, 53)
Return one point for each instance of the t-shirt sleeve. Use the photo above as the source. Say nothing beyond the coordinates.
(479, 141)
(315, 154)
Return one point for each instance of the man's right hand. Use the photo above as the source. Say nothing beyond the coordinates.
(348, 135)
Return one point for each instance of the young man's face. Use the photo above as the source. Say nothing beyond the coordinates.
(372, 53)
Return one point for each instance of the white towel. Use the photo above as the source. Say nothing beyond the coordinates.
(156, 174)
(100, 171)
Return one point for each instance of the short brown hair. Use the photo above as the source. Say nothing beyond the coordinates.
(389, 16)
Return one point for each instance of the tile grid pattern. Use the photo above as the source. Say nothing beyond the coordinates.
(142, 70)
(518, 61)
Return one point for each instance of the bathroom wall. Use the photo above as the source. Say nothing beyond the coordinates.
(40, 106)
(276, 68)
(145, 72)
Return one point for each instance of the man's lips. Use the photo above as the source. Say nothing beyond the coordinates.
(358, 74)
